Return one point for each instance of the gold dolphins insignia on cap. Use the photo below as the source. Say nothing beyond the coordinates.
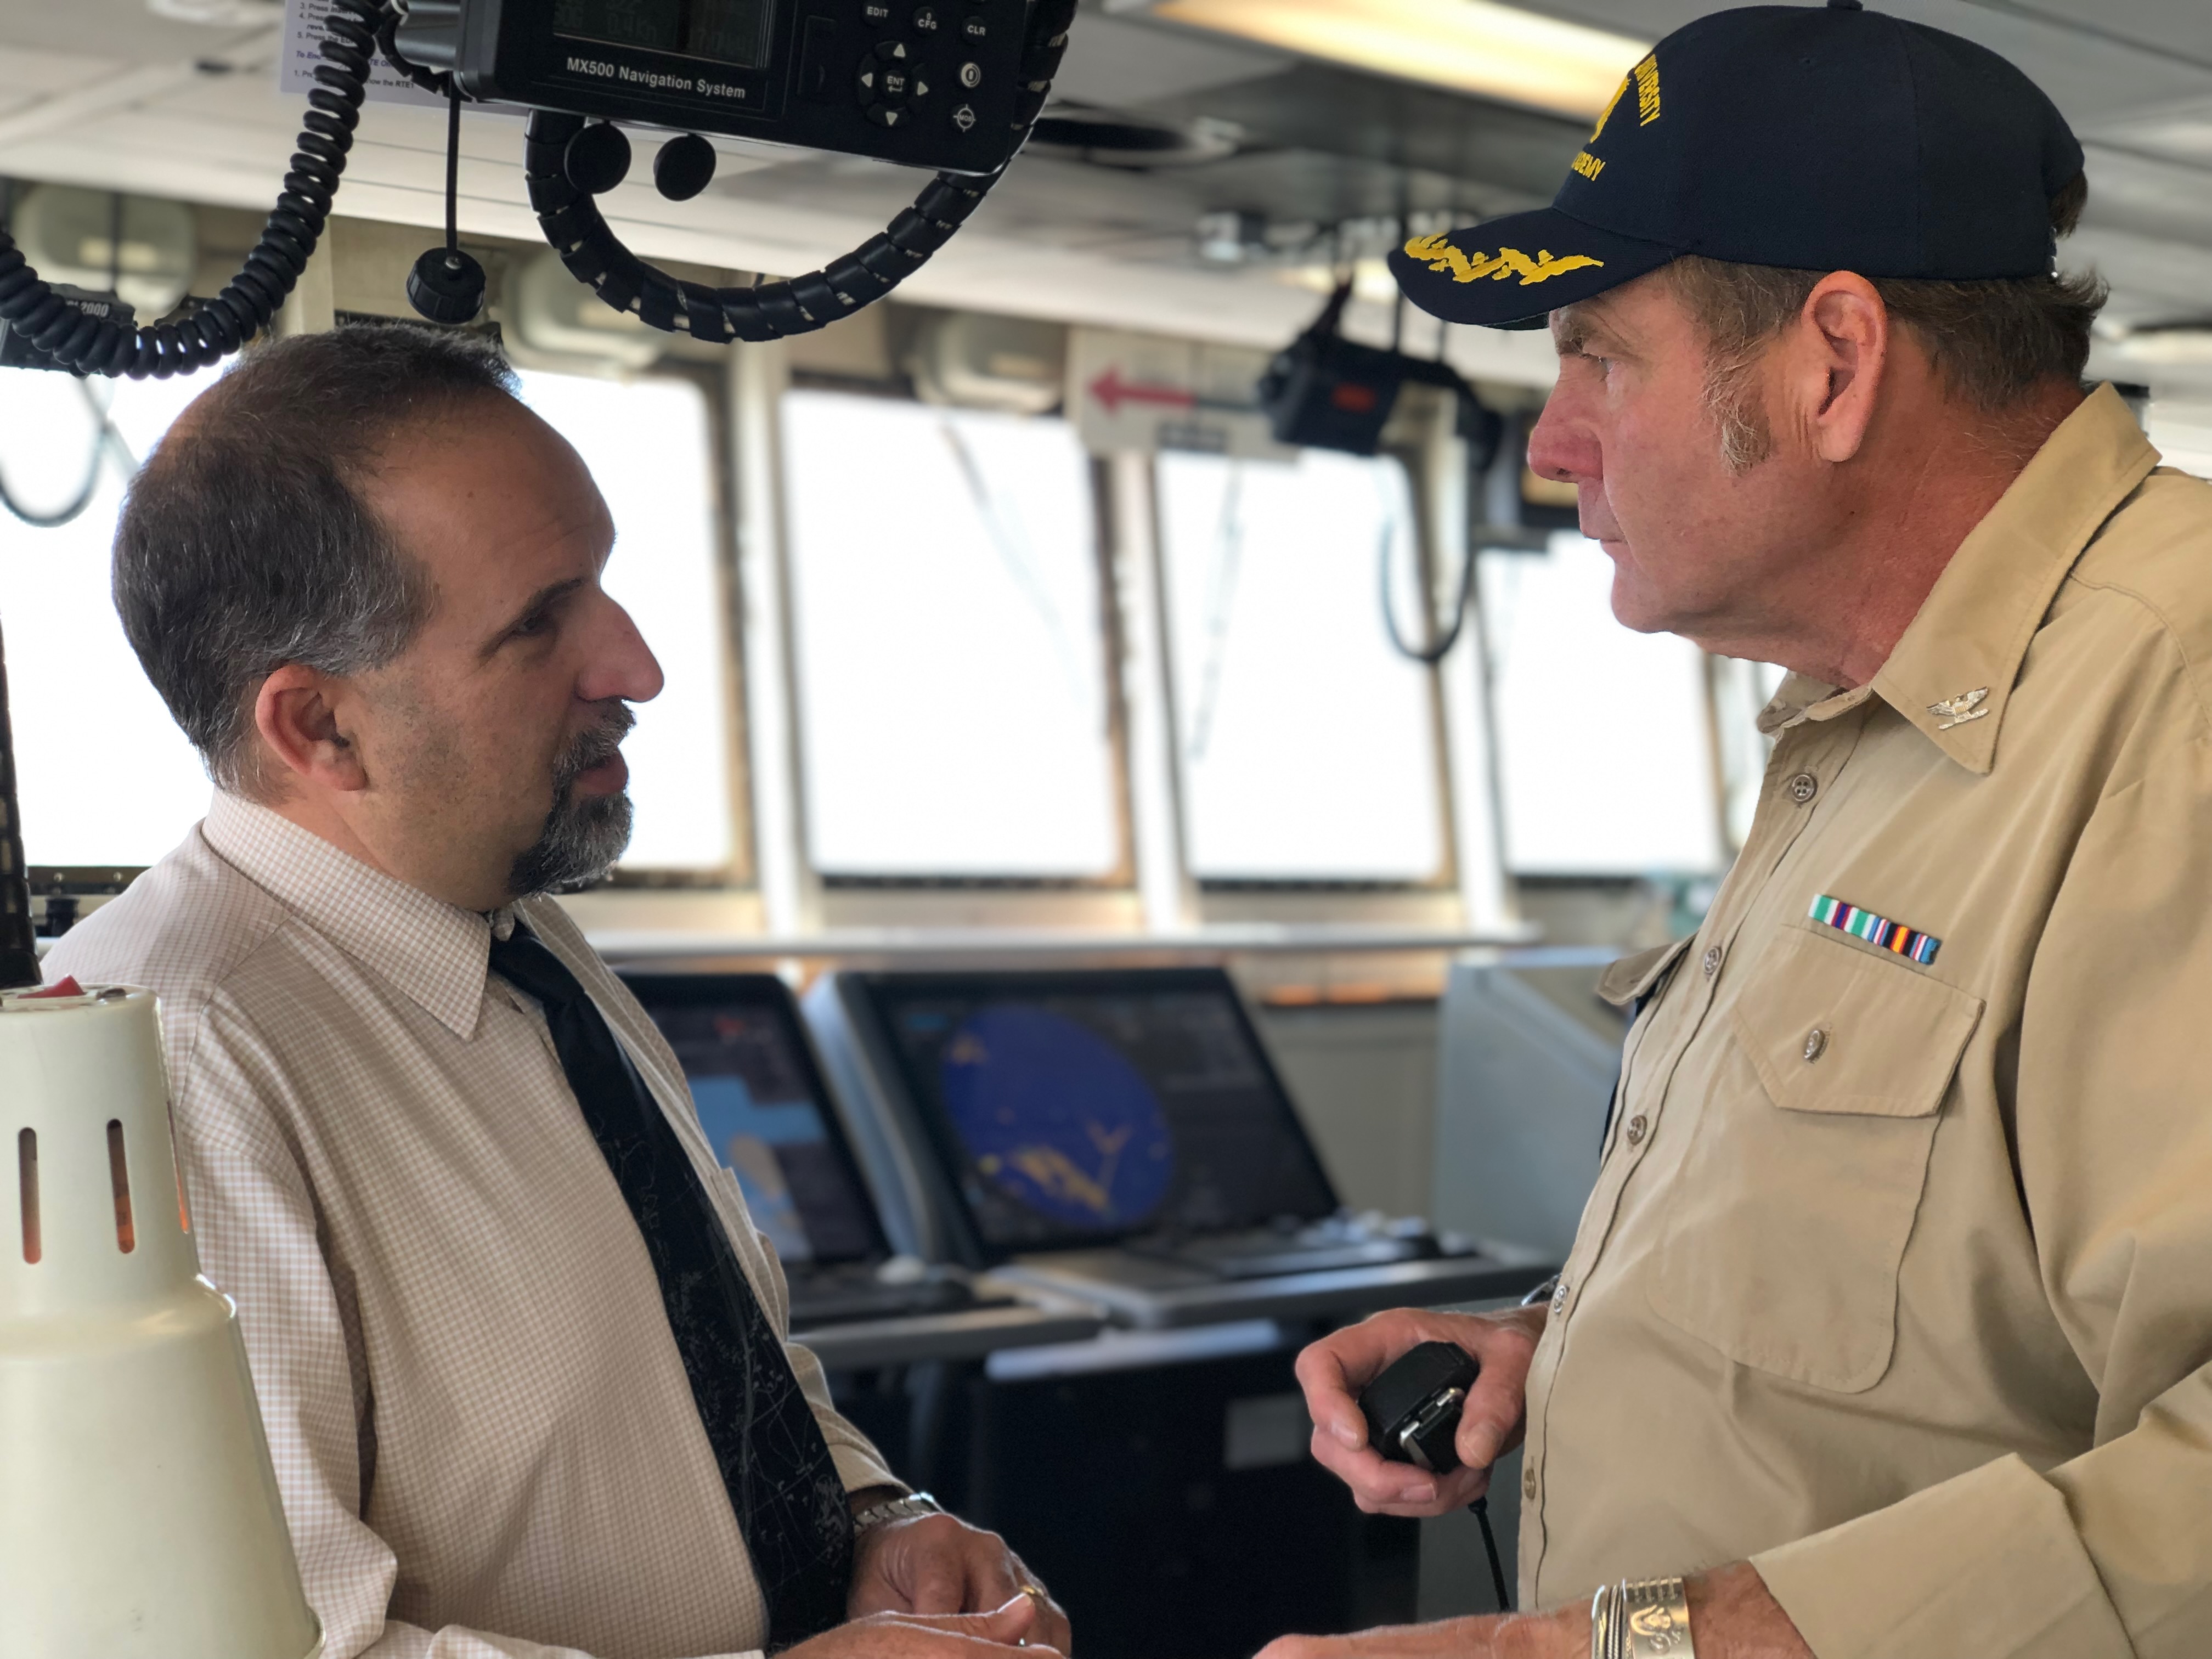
(1438, 254)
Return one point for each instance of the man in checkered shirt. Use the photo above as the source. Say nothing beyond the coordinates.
(365, 579)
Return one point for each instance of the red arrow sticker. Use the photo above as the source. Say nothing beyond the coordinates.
(1111, 390)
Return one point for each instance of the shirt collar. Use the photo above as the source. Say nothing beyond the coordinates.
(1953, 673)
(436, 953)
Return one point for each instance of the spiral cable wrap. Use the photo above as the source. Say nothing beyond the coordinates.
(354, 31)
(87, 344)
(595, 255)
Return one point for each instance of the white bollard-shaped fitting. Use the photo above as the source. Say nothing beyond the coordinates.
(139, 1516)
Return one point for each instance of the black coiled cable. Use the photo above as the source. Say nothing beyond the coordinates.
(596, 256)
(88, 344)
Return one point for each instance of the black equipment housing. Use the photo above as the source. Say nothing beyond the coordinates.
(1412, 1408)
(1324, 392)
(931, 83)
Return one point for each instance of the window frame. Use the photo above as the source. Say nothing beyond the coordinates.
(1446, 878)
(1118, 877)
(741, 871)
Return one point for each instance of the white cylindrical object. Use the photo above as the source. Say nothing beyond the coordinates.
(139, 1515)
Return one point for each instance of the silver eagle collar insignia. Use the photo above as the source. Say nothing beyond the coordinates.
(1957, 711)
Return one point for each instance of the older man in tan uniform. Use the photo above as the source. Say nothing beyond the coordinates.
(1889, 1321)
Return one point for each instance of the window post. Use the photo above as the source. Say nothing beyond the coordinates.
(1164, 884)
(790, 892)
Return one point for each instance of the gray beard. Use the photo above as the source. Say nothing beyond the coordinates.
(583, 838)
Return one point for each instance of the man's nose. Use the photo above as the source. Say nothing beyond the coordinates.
(621, 664)
(1559, 449)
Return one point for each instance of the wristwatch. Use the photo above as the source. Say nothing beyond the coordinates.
(912, 1507)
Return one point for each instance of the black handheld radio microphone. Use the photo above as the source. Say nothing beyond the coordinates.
(1413, 1417)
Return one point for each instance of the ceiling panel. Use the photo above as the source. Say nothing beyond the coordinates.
(2093, 59)
(100, 93)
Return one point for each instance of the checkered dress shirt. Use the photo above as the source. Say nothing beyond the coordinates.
(479, 1419)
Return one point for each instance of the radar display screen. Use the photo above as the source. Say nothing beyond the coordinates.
(733, 31)
(1076, 1108)
(762, 1105)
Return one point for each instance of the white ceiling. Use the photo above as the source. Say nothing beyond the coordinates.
(102, 93)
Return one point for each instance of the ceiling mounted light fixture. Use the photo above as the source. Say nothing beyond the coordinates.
(2167, 344)
(1469, 45)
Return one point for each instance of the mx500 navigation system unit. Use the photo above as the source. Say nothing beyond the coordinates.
(928, 82)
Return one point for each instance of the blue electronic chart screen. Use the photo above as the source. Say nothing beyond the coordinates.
(1055, 1117)
(1076, 1108)
(757, 1102)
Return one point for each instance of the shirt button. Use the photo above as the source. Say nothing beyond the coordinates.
(1637, 1126)
(1816, 1043)
(1712, 961)
(1560, 1299)
(1803, 787)
(1528, 1483)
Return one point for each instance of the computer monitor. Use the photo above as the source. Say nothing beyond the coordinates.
(766, 1112)
(1067, 1110)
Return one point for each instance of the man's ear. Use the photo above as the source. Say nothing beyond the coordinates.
(1841, 361)
(296, 712)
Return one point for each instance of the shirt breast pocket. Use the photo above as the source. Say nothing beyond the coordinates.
(1797, 1193)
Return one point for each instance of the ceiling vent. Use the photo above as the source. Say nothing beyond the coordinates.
(1016, 364)
(2167, 343)
(1111, 139)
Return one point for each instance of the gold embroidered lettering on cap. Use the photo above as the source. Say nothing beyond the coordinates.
(1957, 711)
(1587, 164)
(1647, 91)
(1440, 255)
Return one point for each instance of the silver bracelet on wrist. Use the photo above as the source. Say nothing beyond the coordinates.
(912, 1507)
(1641, 1619)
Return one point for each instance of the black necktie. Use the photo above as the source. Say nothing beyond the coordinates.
(791, 1506)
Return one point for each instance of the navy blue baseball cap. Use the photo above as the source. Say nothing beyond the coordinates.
(1817, 138)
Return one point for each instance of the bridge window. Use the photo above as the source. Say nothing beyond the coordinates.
(648, 445)
(78, 692)
(949, 657)
(1605, 736)
(1309, 748)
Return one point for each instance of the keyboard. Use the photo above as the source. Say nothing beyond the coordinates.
(1308, 1248)
(845, 1293)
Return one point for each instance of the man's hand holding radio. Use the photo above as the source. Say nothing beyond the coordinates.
(1334, 1371)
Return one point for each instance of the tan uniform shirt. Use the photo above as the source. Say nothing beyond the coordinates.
(1898, 1278)
(479, 1418)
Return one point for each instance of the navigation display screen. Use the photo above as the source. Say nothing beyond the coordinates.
(733, 31)
(1079, 1108)
(761, 1105)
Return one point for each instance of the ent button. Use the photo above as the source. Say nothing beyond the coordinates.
(1712, 963)
(1803, 787)
(1528, 1483)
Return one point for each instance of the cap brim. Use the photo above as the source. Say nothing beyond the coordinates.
(1515, 271)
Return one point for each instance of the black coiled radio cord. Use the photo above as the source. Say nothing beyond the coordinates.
(595, 255)
(90, 344)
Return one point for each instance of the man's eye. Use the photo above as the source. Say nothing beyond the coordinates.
(531, 627)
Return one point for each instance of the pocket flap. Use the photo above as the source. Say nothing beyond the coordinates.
(1830, 1028)
(1631, 976)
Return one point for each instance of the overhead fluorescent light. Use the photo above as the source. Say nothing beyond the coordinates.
(1469, 45)
(2167, 344)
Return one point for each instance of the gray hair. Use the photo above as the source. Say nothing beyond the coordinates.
(1994, 343)
(243, 543)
